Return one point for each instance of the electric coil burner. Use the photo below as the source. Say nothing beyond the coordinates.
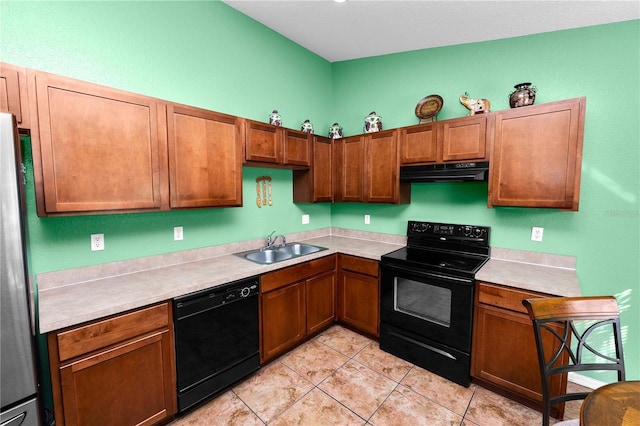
(426, 296)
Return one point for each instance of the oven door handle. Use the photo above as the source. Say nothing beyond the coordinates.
(424, 273)
(423, 345)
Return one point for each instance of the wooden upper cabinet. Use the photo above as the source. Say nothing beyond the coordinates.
(94, 148)
(381, 167)
(537, 155)
(463, 139)
(348, 174)
(13, 93)
(458, 139)
(205, 158)
(297, 148)
(263, 142)
(315, 184)
(269, 144)
(418, 144)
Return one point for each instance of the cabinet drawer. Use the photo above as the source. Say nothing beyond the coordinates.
(84, 339)
(359, 264)
(282, 277)
(504, 297)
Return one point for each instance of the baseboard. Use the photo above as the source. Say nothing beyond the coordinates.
(585, 381)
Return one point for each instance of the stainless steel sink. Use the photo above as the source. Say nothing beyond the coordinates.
(266, 256)
(299, 249)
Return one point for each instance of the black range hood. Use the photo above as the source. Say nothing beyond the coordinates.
(451, 172)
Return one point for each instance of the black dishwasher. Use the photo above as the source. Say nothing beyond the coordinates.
(217, 341)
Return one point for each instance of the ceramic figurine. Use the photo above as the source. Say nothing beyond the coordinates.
(372, 123)
(475, 106)
(335, 131)
(523, 95)
(307, 127)
(275, 118)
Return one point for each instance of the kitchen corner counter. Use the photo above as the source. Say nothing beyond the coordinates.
(71, 297)
(543, 273)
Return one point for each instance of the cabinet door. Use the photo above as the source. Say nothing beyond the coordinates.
(381, 167)
(504, 354)
(321, 295)
(418, 144)
(464, 139)
(538, 156)
(349, 169)
(358, 301)
(297, 148)
(283, 320)
(125, 385)
(94, 148)
(322, 170)
(205, 158)
(13, 93)
(263, 142)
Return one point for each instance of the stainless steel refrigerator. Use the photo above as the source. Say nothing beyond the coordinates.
(18, 385)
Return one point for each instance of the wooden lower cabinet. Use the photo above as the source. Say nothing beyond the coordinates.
(120, 370)
(504, 356)
(295, 303)
(358, 303)
(321, 301)
(283, 319)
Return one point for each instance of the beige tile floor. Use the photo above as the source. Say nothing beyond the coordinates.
(343, 378)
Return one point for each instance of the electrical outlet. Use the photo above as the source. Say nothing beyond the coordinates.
(536, 233)
(305, 219)
(367, 219)
(97, 242)
(178, 235)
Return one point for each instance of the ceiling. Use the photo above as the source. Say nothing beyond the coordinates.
(362, 28)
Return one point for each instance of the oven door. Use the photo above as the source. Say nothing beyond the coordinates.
(433, 306)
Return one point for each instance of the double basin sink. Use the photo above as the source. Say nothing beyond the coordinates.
(266, 256)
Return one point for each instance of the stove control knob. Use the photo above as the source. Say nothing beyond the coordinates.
(478, 232)
(468, 230)
(245, 292)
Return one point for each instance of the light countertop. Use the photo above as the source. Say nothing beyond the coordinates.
(554, 275)
(71, 297)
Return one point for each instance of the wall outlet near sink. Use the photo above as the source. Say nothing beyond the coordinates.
(97, 242)
(536, 233)
(305, 219)
(367, 219)
(178, 234)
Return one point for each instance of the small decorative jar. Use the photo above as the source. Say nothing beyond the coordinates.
(307, 127)
(275, 118)
(335, 131)
(524, 95)
(372, 123)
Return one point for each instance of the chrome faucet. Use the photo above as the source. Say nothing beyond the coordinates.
(270, 240)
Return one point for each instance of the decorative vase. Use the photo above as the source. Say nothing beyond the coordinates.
(372, 123)
(307, 127)
(335, 131)
(275, 118)
(524, 95)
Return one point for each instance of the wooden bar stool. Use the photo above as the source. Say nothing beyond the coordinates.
(573, 314)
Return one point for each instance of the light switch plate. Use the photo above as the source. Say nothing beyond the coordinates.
(305, 219)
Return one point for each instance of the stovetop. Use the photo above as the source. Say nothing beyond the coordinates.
(445, 248)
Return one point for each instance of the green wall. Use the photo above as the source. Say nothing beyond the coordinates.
(209, 55)
(601, 63)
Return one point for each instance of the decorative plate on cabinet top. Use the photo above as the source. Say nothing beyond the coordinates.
(429, 107)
